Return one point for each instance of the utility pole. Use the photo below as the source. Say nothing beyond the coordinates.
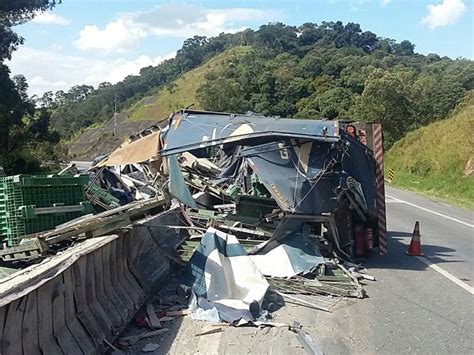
(115, 116)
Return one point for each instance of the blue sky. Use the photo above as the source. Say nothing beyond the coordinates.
(88, 42)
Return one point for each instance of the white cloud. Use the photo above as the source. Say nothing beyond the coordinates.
(386, 2)
(57, 71)
(446, 13)
(174, 20)
(48, 18)
(116, 36)
(188, 20)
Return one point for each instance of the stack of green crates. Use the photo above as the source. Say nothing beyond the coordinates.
(103, 196)
(21, 194)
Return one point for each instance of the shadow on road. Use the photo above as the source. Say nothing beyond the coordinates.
(396, 259)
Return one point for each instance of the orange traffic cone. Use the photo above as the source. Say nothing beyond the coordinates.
(415, 246)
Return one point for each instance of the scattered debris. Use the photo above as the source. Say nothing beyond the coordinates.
(148, 348)
(306, 340)
(153, 320)
(165, 319)
(209, 331)
(303, 302)
(183, 312)
(110, 345)
(134, 338)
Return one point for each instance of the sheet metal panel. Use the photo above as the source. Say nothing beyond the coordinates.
(188, 131)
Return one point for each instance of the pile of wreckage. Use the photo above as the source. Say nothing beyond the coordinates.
(269, 205)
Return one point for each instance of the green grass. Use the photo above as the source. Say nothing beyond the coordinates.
(432, 159)
(183, 92)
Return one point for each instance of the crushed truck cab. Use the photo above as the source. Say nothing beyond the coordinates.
(320, 173)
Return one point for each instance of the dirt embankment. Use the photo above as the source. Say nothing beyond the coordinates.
(100, 140)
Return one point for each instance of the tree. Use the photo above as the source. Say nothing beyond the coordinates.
(47, 100)
(80, 92)
(387, 98)
(21, 86)
(14, 102)
(223, 95)
(104, 85)
(12, 107)
(13, 13)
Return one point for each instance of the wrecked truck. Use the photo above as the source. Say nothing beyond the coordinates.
(326, 176)
(309, 190)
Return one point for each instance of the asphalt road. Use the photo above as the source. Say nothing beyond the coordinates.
(411, 308)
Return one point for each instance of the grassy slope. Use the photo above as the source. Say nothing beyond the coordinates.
(159, 106)
(432, 159)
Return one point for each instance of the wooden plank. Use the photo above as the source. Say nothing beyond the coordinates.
(84, 313)
(66, 341)
(110, 227)
(89, 224)
(133, 286)
(30, 324)
(96, 308)
(100, 292)
(110, 291)
(47, 342)
(116, 280)
(12, 334)
(130, 248)
(72, 322)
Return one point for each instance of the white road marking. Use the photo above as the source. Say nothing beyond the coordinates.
(430, 211)
(446, 274)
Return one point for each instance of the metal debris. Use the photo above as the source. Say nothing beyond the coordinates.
(306, 340)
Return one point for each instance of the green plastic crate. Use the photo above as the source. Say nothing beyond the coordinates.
(103, 195)
(22, 195)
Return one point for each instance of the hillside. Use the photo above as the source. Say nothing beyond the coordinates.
(181, 92)
(331, 70)
(98, 139)
(438, 159)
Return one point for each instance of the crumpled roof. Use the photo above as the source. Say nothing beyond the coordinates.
(192, 130)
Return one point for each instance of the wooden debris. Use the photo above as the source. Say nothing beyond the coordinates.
(368, 277)
(148, 348)
(183, 312)
(209, 331)
(110, 345)
(175, 308)
(152, 318)
(134, 338)
(165, 319)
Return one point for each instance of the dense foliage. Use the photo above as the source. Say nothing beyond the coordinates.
(338, 72)
(25, 138)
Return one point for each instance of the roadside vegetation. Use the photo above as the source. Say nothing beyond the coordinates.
(26, 139)
(183, 91)
(438, 160)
